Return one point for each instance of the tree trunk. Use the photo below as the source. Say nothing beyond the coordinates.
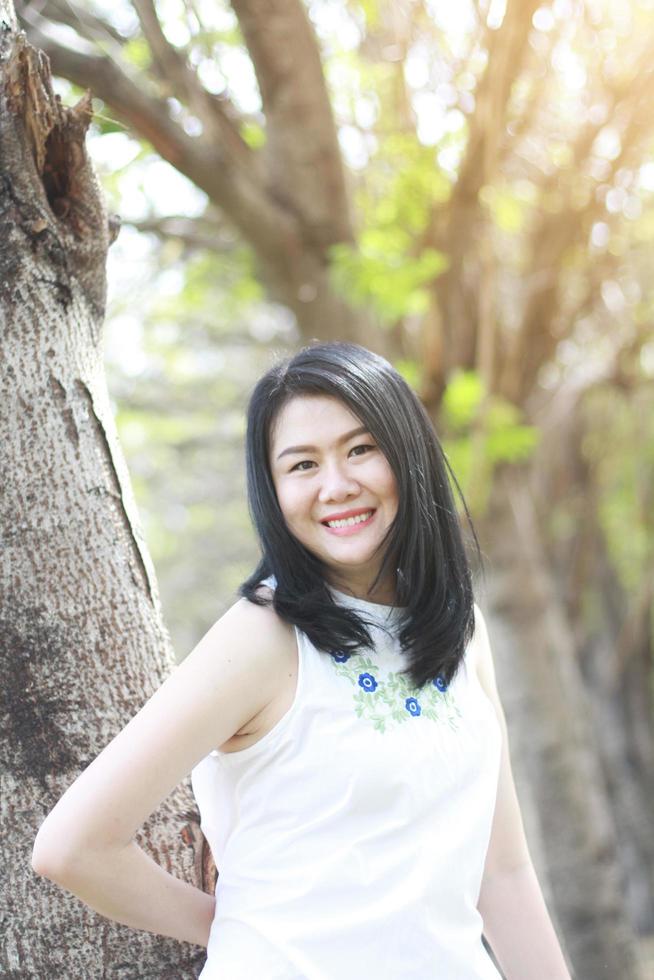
(565, 804)
(617, 665)
(612, 637)
(83, 641)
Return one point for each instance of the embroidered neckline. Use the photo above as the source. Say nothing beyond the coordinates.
(386, 698)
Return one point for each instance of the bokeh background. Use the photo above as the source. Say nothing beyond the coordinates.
(468, 189)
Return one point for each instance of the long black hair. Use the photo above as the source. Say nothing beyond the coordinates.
(423, 550)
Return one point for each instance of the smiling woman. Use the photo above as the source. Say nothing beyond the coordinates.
(334, 431)
(341, 722)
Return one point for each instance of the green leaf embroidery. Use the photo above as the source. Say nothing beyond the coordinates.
(387, 702)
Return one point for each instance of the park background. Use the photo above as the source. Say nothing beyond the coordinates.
(469, 190)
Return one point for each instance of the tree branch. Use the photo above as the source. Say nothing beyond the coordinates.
(455, 229)
(506, 53)
(236, 189)
(67, 12)
(193, 232)
(302, 152)
(217, 114)
(535, 342)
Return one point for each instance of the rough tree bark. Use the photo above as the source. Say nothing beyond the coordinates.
(83, 641)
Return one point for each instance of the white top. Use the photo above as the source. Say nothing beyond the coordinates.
(351, 838)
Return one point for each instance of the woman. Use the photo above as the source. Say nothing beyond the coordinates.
(341, 722)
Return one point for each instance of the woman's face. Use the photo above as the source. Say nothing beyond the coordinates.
(326, 466)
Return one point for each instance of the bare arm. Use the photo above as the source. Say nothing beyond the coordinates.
(128, 886)
(86, 844)
(518, 926)
(516, 921)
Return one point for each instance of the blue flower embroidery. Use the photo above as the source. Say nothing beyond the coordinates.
(386, 698)
(412, 706)
(367, 682)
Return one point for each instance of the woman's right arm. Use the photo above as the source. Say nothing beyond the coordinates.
(126, 885)
(86, 844)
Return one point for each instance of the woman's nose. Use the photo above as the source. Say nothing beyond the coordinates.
(336, 483)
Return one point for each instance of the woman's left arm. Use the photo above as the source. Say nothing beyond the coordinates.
(516, 921)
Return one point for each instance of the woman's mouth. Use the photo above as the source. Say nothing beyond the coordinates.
(350, 525)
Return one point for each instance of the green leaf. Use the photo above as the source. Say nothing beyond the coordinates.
(410, 371)
(137, 52)
(512, 444)
(462, 398)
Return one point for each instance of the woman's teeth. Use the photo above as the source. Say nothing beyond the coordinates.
(350, 520)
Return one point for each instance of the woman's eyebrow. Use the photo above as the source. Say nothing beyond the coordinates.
(314, 449)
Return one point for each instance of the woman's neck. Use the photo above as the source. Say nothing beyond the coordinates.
(383, 595)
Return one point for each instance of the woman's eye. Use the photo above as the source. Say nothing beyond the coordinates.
(301, 468)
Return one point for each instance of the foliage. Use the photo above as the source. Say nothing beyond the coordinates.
(380, 275)
(559, 188)
(388, 270)
(467, 413)
(410, 371)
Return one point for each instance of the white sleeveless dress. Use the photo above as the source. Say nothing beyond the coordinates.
(351, 838)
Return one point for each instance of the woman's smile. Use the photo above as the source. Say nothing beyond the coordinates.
(350, 525)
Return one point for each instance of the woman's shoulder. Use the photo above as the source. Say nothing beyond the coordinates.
(264, 623)
(250, 641)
